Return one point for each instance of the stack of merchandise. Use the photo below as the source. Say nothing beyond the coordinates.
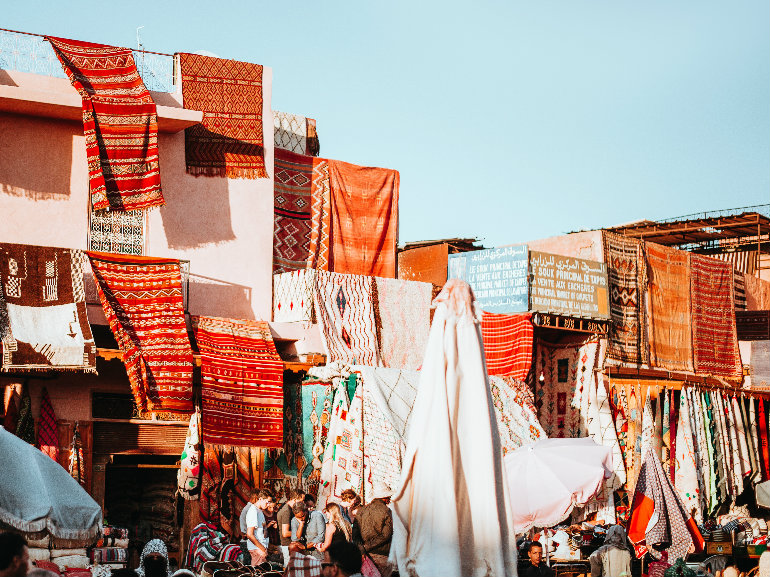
(112, 549)
(39, 549)
(68, 559)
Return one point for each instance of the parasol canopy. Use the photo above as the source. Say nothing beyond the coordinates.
(38, 496)
(549, 478)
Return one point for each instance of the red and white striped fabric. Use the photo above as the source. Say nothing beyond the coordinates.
(508, 344)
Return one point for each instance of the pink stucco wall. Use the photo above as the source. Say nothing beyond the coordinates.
(224, 227)
(586, 245)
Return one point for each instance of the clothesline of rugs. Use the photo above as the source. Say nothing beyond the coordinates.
(674, 310)
(321, 205)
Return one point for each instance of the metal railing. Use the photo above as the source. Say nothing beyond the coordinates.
(763, 209)
(32, 53)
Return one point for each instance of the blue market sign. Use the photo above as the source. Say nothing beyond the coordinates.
(498, 277)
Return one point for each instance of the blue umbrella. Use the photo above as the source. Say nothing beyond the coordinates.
(38, 496)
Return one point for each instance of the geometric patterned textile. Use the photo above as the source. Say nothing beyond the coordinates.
(403, 321)
(383, 446)
(756, 354)
(142, 300)
(242, 380)
(316, 415)
(47, 429)
(295, 133)
(739, 288)
(562, 395)
(627, 278)
(117, 231)
(211, 480)
(364, 219)
(45, 301)
(715, 342)
(393, 391)
(293, 296)
(753, 325)
(686, 479)
(670, 323)
(757, 293)
(508, 343)
(516, 415)
(292, 208)
(320, 216)
(658, 516)
(229, 142)
(120, 124)
(344, 308)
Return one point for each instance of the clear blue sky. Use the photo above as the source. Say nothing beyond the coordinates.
(508, 120)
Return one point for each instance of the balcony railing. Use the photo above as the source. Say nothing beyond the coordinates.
(33, 53)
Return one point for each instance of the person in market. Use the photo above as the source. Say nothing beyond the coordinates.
(338, 529)
(342, 559)
(373, 528)
(285, 515)
(534, 566)
(315, 533)
(613, 559)
(298, 523)
(350, 503)
(271, 516)
(154, 560)
(14, 555)
(256, 528)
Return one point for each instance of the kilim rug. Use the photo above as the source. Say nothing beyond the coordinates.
(383, 446)
(753, 325)
(46, 309)
(142, 300)
(403, 321)
(5, 322)
(229, 142)
(758, 359)
(47, 429)
(601, 427)
(211, 479)
(670, 323)
(516, 416)
(627, 279)
(295, 133)
(757, 293)
(343, 466)
(687, 461)
(293, 296)
(119, 122)
(344, 308)
(316, 416)
(739, 290)
(394, 392)
(508, 344)
(242, 383)
(292, 211)
(715, 343)
(320, 216)
(364, 219)
(567, 370)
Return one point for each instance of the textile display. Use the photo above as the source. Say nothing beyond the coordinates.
(316, 417)
(47, 429)
(142, 300)
(364, 219)
(753, 325)
(394, 392)
(402, 316)
(211, 478)
(759, 365)
(242, 383)
(292, 206)
(739, 290)
(508, 341)
(77, 464)
(343, 460)
(383, 447)
(320, 216)
(673, 416)
(5, 322)
(344, 307)
(293, 296)
(120, 124)
(686, 479)
(763, 439)
(750, 451)
(618, 402)
(567, 371)
(45, 300)
(230, 141)
(670, 330)
(295, 133)
(607, 434)
(516, 416)
(658, 515)
(740, 434)
(757, 293)
(664, 414)
(715, 342)
(626, 272)
(453, 435)
(25, 427)
(188, 475)
(756, 446)
(205, 544)
(648, 426)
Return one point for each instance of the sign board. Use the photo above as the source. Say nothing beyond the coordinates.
(567, 286)
(570, 323)
(498, 277)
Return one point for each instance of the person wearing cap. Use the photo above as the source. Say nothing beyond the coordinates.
(373, 528)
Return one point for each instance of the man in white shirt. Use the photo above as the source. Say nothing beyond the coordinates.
(256, 535)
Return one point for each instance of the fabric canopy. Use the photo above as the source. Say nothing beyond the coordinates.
(451, 513)
(38, 497)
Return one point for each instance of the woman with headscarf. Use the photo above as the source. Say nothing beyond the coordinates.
(154, 560)
(613, 559)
